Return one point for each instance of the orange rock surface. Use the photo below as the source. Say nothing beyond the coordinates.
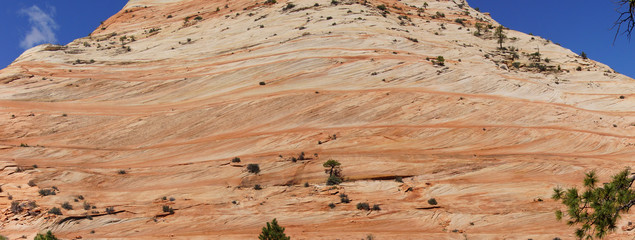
(157, 101)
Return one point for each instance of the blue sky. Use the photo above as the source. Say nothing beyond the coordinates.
(577, 25)
(27, 23)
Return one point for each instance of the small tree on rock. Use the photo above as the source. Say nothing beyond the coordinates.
(48, 236)
(597, 209)
(500, 35)
(332, 164)
(273, 231)
(334, 172)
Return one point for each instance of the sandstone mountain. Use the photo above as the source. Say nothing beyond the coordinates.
(148, 112)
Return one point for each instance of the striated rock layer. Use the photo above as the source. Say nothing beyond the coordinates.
(160, 98)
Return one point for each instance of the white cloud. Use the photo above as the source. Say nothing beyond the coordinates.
(42, 27)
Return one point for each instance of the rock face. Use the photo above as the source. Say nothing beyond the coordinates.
(151, 108)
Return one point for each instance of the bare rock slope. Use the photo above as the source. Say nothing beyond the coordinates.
(150, 109)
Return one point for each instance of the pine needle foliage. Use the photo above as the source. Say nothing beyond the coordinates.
(596, 209)
(273, 231)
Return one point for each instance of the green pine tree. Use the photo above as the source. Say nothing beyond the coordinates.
(49, 236)
(597, 209)
(273, 231)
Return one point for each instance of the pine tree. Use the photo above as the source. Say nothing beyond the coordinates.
(49, 236)
(597, 208)
(500, 35)
(273, 231)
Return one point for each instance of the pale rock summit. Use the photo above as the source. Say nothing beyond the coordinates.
(151, 108)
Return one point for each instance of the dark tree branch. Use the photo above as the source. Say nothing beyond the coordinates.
(626, 18)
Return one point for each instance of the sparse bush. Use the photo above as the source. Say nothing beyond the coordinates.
(262, 83)
(236, 160)
(168, 209)
(344, 198)
(31, 183)
(376, 207)
(253, 168)
(288, 6)
(46, 192)
(55, 211)
(257, 187)
(583, 55)
(110, 210)
(67, 206)
(363, 206)
(399, 179)
(332, 205)
(578, 68)
(333, 180)
(440, 61)
(306, 184)
(273, 231)
(271, 2)
(516, 64)
(16, 207)
(198, 18)
(122, 171)
(382, 7)
(86, 206)
(48, 236)
(172, 199)
(440, 15)
(460, 21)
(432, 201)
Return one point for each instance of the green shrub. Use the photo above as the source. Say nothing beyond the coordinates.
(289, 6)
(16, 207)
(110, 210)
(48, 236)
(46, 192)
(516, 64)
(333, 180)
(86, 206)
(399, 179)
(363, 206)
(382, 7)
(253, 168)
(271, 2)
(583, 55)
(460, 21)
(273, 231)
(376, 207)
(55, 211)
(236, 160)
(439, 61)
(332, 205)
(168, 209)
(344, 198)
(257, 187)
(432, 201)
(67, 206)
(122, 171)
